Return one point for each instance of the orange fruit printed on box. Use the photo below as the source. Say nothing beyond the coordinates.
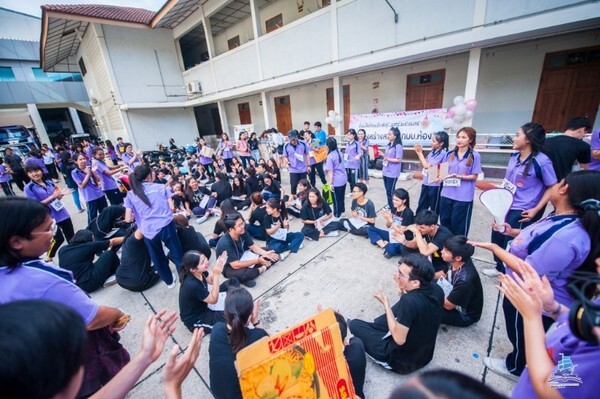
(305, 361)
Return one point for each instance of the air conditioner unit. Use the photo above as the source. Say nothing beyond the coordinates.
(193, 87)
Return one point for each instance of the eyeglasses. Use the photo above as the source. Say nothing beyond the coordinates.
(53, 229)
(402, 275)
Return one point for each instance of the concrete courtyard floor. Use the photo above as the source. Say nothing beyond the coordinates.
(340, 272)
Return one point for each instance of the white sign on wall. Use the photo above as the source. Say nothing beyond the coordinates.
(415, 126)
(237, 129)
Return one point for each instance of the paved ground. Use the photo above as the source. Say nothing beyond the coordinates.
(342, 273)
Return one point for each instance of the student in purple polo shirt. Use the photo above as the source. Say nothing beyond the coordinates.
(297, 153)
(431, 189)
(46, 192)
(226, 151)
(528, 176)
(336, 176)
(36, 159)
(131, 158)
(555, 246)
(363, 171)
(595, 148)
(456, 202)
(5, 179)
(88, 182)
(352, 157)
(205, 161)
(148, 202)
(105, 174)
(392, 164)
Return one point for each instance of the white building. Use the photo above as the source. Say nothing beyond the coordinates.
(53, 103)
(202, 66)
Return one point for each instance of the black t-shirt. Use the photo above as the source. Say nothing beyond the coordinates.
(269, 221)
(563, 151)
(310, 213)
(192, 294)
(258, 215)
(14, 161)
(191, 241)
(274, 188)
(438, 240)
(366, 210)
(254, 184)
(178, 200)
(194, 198)
(234, 248)
(224, 382)
(135, 269)
(467, 293)
(79, 258)
(223, 190)
(421, 311)
(406, 218)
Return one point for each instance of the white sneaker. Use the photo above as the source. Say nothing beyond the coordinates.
(332, 234)
(112, 280)
(284, 255)
(498, 366)
(492, 272)
(174, 283)
(202, 219)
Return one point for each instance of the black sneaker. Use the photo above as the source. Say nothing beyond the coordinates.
(387, 256)
(250, 283)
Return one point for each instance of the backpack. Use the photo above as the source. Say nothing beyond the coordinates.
(327, 193)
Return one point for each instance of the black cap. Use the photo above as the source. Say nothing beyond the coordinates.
(292, 134)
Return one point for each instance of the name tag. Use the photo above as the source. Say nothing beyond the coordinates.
(425, 172)
(299, 157)
(385, 162)
(57, 205)
(452, 182)
(346, 157)
(509, 186)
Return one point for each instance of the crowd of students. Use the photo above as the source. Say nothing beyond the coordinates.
(436, 279)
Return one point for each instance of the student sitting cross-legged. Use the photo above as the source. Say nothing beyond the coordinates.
(362, 213)
(396, 220)
(280, 239)
(317, 217)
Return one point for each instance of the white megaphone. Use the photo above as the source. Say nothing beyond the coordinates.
(498, 201)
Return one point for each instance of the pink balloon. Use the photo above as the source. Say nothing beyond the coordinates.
(471, 104)
(451, 112)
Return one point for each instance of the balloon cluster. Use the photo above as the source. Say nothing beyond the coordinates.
(333, 118)
(460, 112)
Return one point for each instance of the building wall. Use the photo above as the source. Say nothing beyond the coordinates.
(151, 127)
(243, 29)
(506, 9)
(256, 112)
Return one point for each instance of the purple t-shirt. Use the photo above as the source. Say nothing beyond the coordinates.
(204, 160)
(126, 157)
(39, 162)
(108, 183)
(297, 156)
(563, 252)
(352, 151)
(36, 192)
(26, 282)
(560, 343)
(466, 191)
(227, 153)
(434, 158)
(313, 144)
(151, 220)
(4, 176)
(91, 191)
(530, 188)
(393, 169)
(595, 145)
(335, 163)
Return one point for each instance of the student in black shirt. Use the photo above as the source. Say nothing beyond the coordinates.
(354, 352)
(315, 208)
(362, 210)
(295, 203)
(111, 217)
(196, 203)
(463, 306)
(227, 208)
(396, 221)
(135, 272)
(258, 211)
(403, 338)
(241, 191)
(189, 238)
(271, 188)
(229, 338)
(280, 239)
(79, 255)
(199, 288)
(569, 147)
(221, 189)
(252, 181)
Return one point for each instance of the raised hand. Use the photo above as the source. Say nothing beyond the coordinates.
(156, 331)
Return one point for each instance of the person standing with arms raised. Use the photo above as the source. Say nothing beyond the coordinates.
(392, 164)
(430, 189)
(297, 154)
(88, 182)
(105, 174)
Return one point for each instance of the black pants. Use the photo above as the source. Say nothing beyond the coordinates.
(257, 232)
(456, 215)
(390, 186)
(7, 188)
(294, 179)
(212, 317)
(310, 231)
(338, 200)
(114, 196)
(95, 207)
(512, 218)
(314, 169)
(20, 178)
(52, 172)
(104, 267)
(240, 204)
(64, 230)
(345, 225)
(244, 274)
(228, 164)
(149, 281)
(372, 335)
(351, 174)
(429, 198)
(455, 318)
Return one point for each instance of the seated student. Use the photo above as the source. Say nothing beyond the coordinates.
(258, 211)
(354, 352)
(396, 220)
(111, 217)
(241, 193)
(237, 243)
(280, 239)
(178, 199)
(200, 288)
(271, 188)
(229, 338)
(403, 338)
(428, 239)
(252, 181)
(189, 238)
(79, 256)
(221, 188)
(316, 209)
(135, 273)
(294, 203)
(227, 208)
(198, 201)
(273, 170)
(362, 214)
(464, 303)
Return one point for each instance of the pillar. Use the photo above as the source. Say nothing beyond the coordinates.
(76, 121)
(210, 43)
(472, 77)
(223, 117)
(338, 104)
(36, 118)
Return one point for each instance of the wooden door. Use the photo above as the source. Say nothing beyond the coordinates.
(569, 87)
(425, 90)
(244, 111)
(283, 114)
(330, 106)
(216, 117)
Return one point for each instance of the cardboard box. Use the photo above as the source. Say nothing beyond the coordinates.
(305, 361)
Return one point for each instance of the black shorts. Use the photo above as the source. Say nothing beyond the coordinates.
(280, 149)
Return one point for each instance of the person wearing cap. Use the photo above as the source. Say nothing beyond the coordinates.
(297, 154)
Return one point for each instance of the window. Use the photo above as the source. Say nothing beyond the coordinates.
(6, 74)
(274, 23)
(42, 76)
(233, 42)
(82, 67)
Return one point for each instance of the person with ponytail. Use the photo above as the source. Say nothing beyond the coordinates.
(392, 164)
(464, 165)
(316, 216)
(148, 204)
(565, 241)
(397, 220)
(529, 176)
(430, 189)
(279, 239)
(352, 157)
(89, 184)
(230, 337)
(336, 176)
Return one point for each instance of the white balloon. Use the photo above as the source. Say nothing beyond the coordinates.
(458, 100)
(456, 127)
(468, 115)
(338, 118)
(448, 123)
(331, 113)
(328, 120)
(460, 109)
(457, 118)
